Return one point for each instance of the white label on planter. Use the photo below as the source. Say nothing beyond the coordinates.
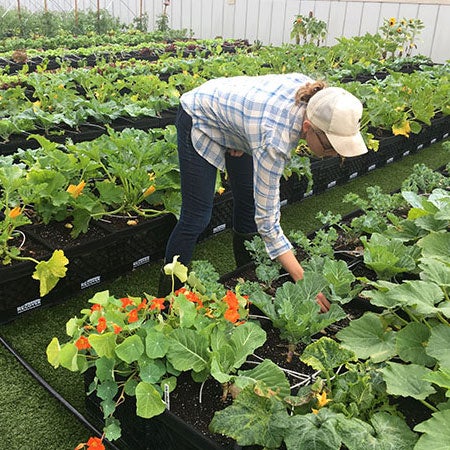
(331, 184)
(420, 147)
(373, 166)
(91, 282)
(388, 161)
(406, 153)
(167, 396)
(445, 136)
(29, 305)
(308, 194)
(433, 140)
(141, 262)
(353, 175)
(219, 228)
(284, 202)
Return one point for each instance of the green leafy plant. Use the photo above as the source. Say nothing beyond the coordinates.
(410, 335)
(47, 272)
(308, 29)
(325, 415)
(138, 346)
(399, 36)
(294, 310)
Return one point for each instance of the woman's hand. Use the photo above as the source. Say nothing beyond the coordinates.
(323, 302)
(235, 152)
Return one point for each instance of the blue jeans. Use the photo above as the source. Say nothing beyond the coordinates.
(198, 178)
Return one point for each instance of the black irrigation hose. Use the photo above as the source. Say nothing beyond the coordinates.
(55, 394)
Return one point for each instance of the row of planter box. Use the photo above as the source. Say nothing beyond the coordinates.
(144, 54)
(88, 132)
(106, 252)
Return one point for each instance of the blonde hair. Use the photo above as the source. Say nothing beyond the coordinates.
(306, 91)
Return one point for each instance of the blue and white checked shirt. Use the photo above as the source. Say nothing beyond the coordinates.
(257, 115)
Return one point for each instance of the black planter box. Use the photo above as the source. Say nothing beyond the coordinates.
(166, 431)
(92, 260)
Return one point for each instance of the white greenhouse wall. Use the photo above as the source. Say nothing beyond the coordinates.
(270, 21)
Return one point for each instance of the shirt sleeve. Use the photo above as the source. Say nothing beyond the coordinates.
(268, 166)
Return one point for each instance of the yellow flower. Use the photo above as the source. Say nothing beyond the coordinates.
(221, 190)
(392, 21)
(15, 212)
(75, 190)
(399, 30)
(149, 191)
(315, 411)
(134, 98)
(322, 399)
(403, 129)
(36, 105)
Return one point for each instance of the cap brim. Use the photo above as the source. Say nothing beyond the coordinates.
(348, 146)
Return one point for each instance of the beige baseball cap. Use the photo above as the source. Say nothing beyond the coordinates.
(338, 113)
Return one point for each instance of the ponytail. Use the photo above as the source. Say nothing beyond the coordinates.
(305, 92)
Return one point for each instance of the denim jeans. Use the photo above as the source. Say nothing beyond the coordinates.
(198, 178)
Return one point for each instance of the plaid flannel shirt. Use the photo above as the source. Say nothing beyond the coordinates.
(257, 115)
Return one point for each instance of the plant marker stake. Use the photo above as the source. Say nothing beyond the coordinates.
(200, 394)
(167, 396)
(55, 394)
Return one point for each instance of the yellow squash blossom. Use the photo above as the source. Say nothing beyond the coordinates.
(75, 190)
(15, 212)
(403, 129)
(322, 399)
(149, 191)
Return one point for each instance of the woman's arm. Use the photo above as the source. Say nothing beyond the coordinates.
(290, 263)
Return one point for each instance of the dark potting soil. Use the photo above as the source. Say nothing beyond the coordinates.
(57, 235)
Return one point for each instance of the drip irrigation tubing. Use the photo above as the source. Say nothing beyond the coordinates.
(55, 394)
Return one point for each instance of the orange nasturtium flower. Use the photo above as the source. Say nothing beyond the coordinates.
(82, 343)
(95, 443)
(101, 326)
(125, 302)
(96, 307)
(117, 329)
(231, 313)
(133, 316)
(75, 190)
(15, 212)
(157, 303)
(142, 305)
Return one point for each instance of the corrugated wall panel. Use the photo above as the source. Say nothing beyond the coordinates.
(441, 36)
(270, 21)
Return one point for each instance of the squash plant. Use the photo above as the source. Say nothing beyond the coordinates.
(400, 352)
(110, 175)
(12, 215)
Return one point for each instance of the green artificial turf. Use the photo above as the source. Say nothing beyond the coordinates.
(31, 419)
